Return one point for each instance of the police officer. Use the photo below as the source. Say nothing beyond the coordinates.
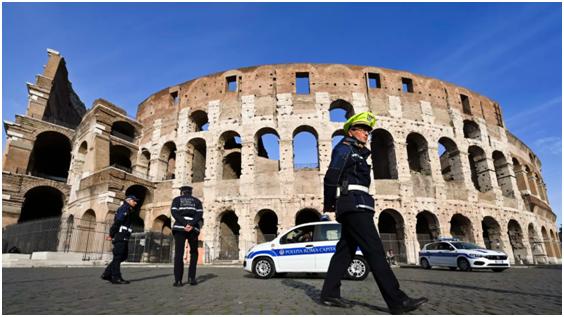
(346, 193)
(119, 235)
(188, 213)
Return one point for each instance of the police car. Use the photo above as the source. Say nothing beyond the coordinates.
(304, 248)
(453, 253)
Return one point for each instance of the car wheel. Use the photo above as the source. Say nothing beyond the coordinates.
(498, 270)
(452, 268)
(464, 265)
(425, 264)
(263, 268)
(358, 269)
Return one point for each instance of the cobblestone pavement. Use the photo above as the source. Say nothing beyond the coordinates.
(233, 291)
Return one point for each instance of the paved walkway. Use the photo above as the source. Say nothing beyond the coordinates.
(233, 291)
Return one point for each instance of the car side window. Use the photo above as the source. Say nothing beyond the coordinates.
(327, 232)
(432, 247)
(298, 235)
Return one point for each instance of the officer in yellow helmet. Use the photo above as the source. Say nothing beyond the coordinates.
(346, 193)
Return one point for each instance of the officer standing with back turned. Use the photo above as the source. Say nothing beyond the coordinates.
(346, 193)
(120, 232)
(187, 212)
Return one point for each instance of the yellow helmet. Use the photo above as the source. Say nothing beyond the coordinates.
(363, 118)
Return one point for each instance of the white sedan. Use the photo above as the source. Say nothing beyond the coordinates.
(304, 248)
(463, 255)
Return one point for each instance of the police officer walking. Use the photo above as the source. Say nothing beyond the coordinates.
(120, 232)
(187, 212)
(346, 193)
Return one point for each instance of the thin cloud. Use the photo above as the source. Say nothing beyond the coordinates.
(551, 144)
(534, 110)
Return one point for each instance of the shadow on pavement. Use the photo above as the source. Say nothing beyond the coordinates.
(477, 288)
(149, 277)
(313, 293)
(204, 278)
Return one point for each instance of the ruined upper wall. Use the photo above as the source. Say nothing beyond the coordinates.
(340, 81)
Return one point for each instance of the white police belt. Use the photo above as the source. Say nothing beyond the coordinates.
(124, 228)
(188, 218)
(353, 187)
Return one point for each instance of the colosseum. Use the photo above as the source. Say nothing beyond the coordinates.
(443, 163)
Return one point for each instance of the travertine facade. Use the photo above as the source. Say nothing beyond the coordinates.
(443, 162)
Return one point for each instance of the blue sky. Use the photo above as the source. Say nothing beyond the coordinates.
(510, 52)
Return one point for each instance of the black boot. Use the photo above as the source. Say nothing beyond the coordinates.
(408, 305)
(177, 284)
(336, 302)
(106, 277)
(192, 281)
(119, 280)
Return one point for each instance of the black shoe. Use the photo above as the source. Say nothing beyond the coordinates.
(177, 284)
(335, 302)
(192, 281)
(119, 281)
(409, 305)
(106, 277)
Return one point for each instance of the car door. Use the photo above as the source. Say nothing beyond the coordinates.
(448, 254)
(325, 239)
(441, 254)
(295, 252)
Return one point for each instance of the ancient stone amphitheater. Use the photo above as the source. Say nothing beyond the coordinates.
(443, 163)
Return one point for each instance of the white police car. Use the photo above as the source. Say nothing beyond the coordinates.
(304, 248)
(466, 256)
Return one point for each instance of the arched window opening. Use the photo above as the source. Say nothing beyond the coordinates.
(266, 224)
(197, 160)
(546, 242)
(418, 154)
(516, 240)
(162, 224)
(532, 181)
(449, 156)
(427, 228)
(83, 149)
(267, 149)
(337, 137)
(537, 247)
(123, 130)
(520, 175)
(306, 153)
(540, 187)
(480, 173)
(51, 156)
(199, 120)
(230, 153)
(461, 228)
(229, 236)
(307, 215)
(391, 230)
(502, 174)
(167, 161)
(145, 162)
(41, 202)
(383, 154)
(340, 111)
(87, 232)
(471, 130)
(120, 157)
(491, 233)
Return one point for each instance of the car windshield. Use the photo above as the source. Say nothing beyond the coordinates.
(465, 245)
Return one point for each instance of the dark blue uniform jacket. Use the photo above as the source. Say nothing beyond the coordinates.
(348, 167)
(121, 229)
(187, 210)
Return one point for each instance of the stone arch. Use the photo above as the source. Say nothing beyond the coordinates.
(120, 157)
(83, 150)
(306, 215)
(461, 228)
(197, 160)
(145, 197)
(230, 153)
(451, 165)
(145, 162)
(199, 120)
(555, 244)
(546, 242)
(480, 173)
(87, 231)
(471, 130)
(391, 229)
(383, 152)
(531, 180)
(123, 130)
(266, 224)
(228, 236)
(515, 234)
(537, 247)
(42, 202)
(162, 224)
(310, 158)
(519, 174)
(502, 174)
(340, 110)
(540, 186)
(491, 233)
(418, 154)
(266, 160)
(336, 137)
(427, 227)
(167, 161)
(51, 156)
